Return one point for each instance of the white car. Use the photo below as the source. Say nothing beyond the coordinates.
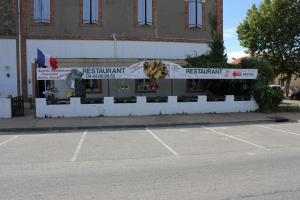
(277, 87)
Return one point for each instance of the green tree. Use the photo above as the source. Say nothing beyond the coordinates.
(216, 56)
(272, 31)
(217, 48)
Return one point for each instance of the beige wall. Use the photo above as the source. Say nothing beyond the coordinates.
(119, 17)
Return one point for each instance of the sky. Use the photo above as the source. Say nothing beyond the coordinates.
(234, 13)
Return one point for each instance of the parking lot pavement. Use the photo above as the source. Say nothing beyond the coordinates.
(38, 148)
(236, 162)
(200, 141)
(121, 144)
(6, 139)
(148, 143)
(269, 136)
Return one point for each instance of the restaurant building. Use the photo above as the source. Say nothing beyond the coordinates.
(108, 33)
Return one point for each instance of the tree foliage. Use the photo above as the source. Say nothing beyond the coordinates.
(272, 31)
(267, 98)
(216, 56)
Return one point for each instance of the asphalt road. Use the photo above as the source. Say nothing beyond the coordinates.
(257, 161)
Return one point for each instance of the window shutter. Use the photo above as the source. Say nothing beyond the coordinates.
(46, 15)
(86, 11)
(141, 12)
(95, 11)
(149, 12)
(37, 10)
(199, 13)
(192, 13)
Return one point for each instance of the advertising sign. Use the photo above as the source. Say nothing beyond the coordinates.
(153, 69)
(49, 74)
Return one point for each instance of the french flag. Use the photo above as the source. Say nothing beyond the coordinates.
(44, 60)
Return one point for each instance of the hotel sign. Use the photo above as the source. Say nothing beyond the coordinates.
(146, 70)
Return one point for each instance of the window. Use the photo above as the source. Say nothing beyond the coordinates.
(90, 12)
(195, 13)
(193, 85)
(42, 11)
(144, 85)
(145, 12)
(93, 85)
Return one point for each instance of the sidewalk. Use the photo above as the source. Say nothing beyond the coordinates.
(34, 124)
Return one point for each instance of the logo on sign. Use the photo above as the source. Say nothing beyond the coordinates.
(236, 74)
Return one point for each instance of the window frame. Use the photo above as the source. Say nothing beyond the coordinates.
(187, 16)
(136, 15)
(145, 82)
(99, 88)
(191, 90)
(52, 15)
(100, 15)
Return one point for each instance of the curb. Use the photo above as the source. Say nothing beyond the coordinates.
(8, 131)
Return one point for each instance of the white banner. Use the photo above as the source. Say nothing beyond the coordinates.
(145, 70)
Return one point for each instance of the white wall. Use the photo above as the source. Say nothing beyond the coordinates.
(5, 108)
(109, 108)
(8, 65)
(105, 49)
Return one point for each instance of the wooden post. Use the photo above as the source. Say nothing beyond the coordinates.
(34, 81)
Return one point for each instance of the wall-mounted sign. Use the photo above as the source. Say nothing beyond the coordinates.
(49, 74)
(146, 70)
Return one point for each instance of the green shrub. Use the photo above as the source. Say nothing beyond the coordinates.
(268, 98)
(265, 70)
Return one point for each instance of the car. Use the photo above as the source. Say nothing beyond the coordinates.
(296, 96)
(277, 87)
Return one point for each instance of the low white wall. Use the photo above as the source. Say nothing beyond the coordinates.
(141, 107)
(5, 108)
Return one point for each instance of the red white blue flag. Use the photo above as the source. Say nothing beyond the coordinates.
(44, 60)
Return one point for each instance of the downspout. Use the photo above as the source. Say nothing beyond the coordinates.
(20, 48)
(115, 55)
(114, 35)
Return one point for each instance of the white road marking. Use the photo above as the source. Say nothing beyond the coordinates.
(279, 130)
(78, 147)
(182, 130)
(220, 128)
(250, 154)
(10, 139)
(162, 142)
(235, 138)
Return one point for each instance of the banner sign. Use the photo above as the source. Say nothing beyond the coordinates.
(49, 74)
(147, 70)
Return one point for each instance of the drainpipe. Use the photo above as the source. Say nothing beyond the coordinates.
(114, 35)
(20, 48)
(115, 55)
